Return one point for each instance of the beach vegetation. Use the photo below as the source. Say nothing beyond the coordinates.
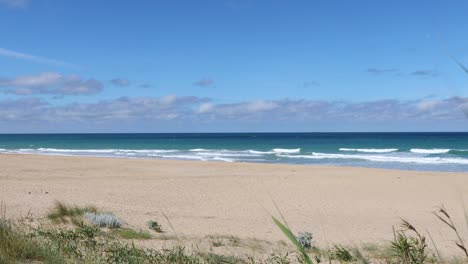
(287, 232)
(23, 242)
(154, 225)
(443, 215)
(305, 239)
(62, 213)
(103, 220)
(216, 241)
(127, 233)
(233, 241)
(342, 254)
(409, 248)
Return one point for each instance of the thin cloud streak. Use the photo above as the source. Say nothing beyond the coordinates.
(205, 82)
(423, 73)
(15, 3)
(33, 58)
(378, 71)
(120, 82)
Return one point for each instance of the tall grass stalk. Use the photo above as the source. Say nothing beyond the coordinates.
(445, 217)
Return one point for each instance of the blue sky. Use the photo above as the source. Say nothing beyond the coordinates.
(232, 65)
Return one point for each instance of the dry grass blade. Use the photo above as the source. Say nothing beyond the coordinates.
(405, 224)
(170, 224)
(441, 213)
(464, 68)
(435, 246)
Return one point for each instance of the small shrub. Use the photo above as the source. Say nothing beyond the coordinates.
(103, 220)
(217, 243)
(234, 241)
(305, 239)
(153, 225)
(409, 249)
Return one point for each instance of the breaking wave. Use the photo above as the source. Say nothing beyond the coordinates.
(281, 150)
(370, 150)
(429, 151)
(346, 156)
(378, 158)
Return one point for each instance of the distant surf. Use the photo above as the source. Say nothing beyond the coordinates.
(280, 150)
(430, 151)
(409, 151)
(370, 150)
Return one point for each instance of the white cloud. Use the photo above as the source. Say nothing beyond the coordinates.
(50, 83)
(427, 105)
(205, 108)
(191, 109)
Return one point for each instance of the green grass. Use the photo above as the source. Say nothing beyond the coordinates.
(79, 245)
(21, 242)
(17, 246)
(63, 213)
(287, 232)
(127, 233)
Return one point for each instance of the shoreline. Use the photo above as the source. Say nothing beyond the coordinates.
(337, 204)
(231, 162)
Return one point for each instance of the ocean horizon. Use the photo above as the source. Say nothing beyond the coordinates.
(421, 151)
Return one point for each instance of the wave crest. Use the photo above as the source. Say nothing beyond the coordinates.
(281, 150)
(378, 158)
(429, 151)
(372, 150)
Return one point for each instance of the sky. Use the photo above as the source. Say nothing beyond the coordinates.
(233, 66)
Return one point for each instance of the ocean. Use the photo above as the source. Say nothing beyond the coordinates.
(406, 151)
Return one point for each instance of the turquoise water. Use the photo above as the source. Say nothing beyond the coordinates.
(409, 151)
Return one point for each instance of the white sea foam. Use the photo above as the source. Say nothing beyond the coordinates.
(378, 158)
(142, 151)
(189, 157)
(199, 149)
(260, 152)
(430, 151)
(228, 154)
(280, 150)
(224, 159)
(416, 156)
(76, 150)
(370, 150)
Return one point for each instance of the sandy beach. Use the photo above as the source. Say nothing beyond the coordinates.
(337, 204)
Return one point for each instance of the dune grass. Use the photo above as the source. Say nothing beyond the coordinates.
(84, 243)
(408, 246)
(127, 233)
(62, 213)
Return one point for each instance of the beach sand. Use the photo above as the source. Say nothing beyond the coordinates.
(337, 204)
